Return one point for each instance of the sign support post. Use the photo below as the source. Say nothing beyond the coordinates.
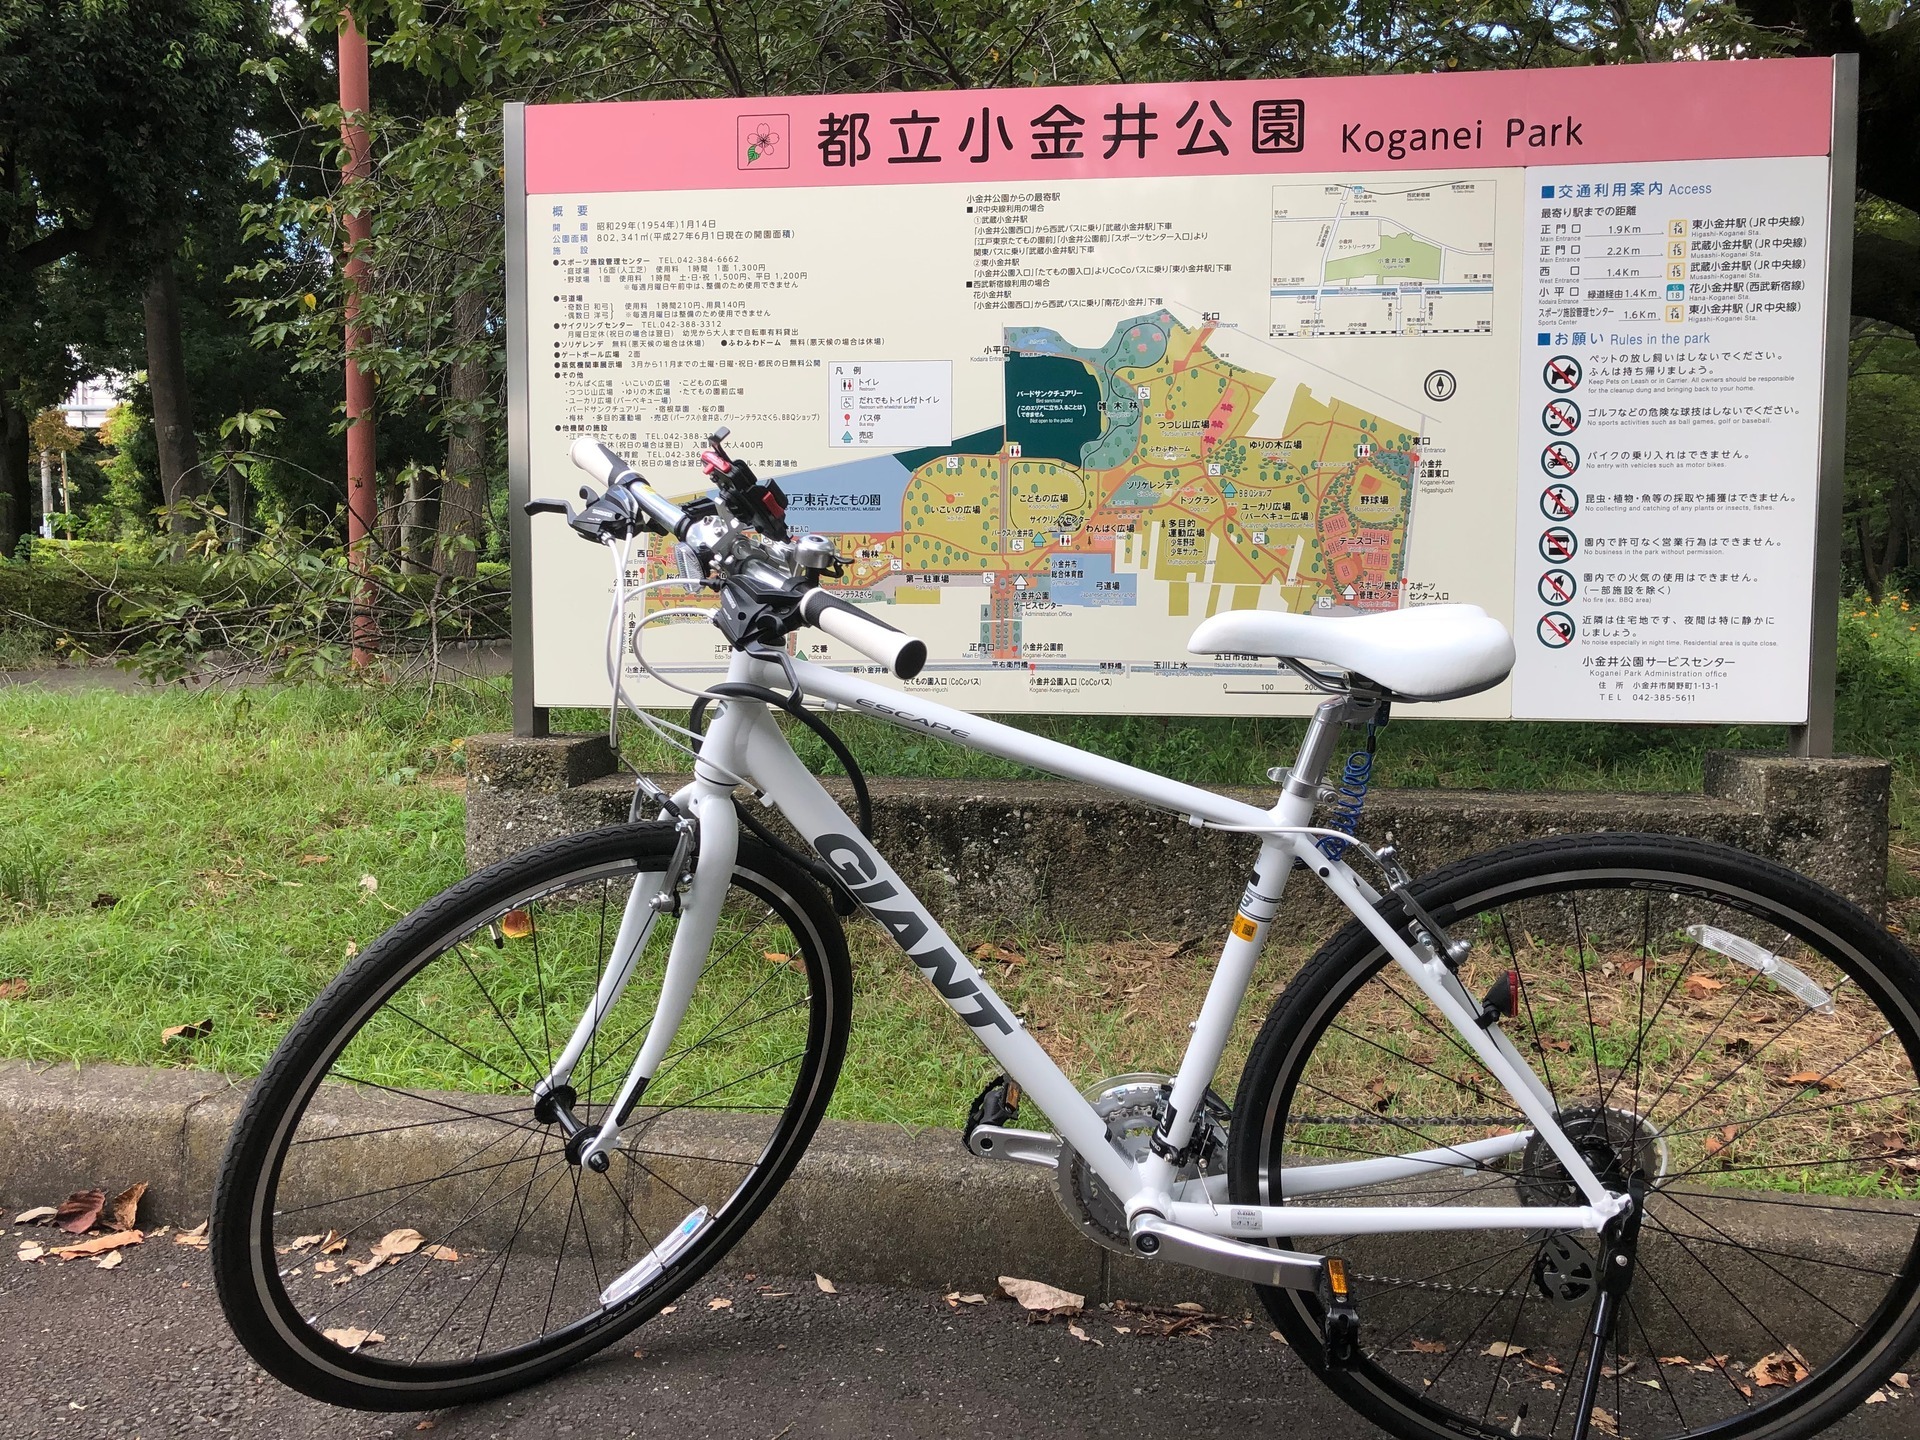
(1815, 738)
(529, 719)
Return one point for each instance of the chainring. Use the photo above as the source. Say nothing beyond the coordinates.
(1131, 1106)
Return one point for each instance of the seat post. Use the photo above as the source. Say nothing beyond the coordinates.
(1351, 707)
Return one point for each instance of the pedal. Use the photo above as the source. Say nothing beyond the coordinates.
(1340, 1321)
(989, 1136)
(998, 1104)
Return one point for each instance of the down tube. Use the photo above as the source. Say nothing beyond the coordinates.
(898, 911)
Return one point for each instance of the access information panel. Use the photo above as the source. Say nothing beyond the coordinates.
(1066, 371)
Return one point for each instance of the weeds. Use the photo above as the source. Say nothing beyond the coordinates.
(29, 876)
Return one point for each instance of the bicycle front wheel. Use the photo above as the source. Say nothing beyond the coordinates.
(399, 1222)
(1734, 1038)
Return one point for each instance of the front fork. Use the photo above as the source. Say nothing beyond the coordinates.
(709, 833)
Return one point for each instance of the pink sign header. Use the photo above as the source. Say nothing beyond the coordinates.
(1709, 110)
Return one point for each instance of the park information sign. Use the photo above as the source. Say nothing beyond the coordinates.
(1069, 370)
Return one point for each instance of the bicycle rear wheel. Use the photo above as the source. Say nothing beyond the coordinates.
(397, 1222)
(1668, 1000)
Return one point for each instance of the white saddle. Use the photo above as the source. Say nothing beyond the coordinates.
(1428, 652)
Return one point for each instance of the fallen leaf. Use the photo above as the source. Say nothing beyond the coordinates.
(1675, 1360)
(429, 1424)
(1501, 1349)
(1714, 1144)
(1604, 1422)
(79, 1210)
(1901, 1379)
(315, 859)
(353, 949)
(353, 1339)
(442, 1252)
(1041, 1300)
(1879, 1397)
(369, 884)
(194, 1239)
(668, 1309)
(826, 1286)
(1429, 1347)
(100, 1244)
(36, 1215)
(1546, 1362)
(719, 1302)
(123, 1209)
(333, 1244)
(956, 1299)
(13, 989)
(395, 1243)
(1782, 1367)
(325, 1267)
(110, 1261)
(1079, 1334)
(30, 1250)
(103, 901)
(198, 1030)
(1699, 987)
(1815, 1077)
(1191, 1307)
(516, 925)
(1562, 1046)
(301, 1242)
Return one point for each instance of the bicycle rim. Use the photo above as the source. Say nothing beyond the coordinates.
(414, 1223)
(1776, 1272)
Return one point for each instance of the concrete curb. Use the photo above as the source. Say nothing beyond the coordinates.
(869, 1204)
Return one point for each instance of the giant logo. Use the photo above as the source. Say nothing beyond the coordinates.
(952, 976)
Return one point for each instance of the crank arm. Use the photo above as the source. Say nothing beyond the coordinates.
(1027, 1147)
(1157, 1239)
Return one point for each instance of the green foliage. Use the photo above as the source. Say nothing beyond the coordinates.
(29, 876)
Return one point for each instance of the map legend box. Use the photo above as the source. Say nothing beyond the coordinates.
(885, 403)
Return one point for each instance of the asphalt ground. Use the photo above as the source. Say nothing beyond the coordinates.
(143, 1351)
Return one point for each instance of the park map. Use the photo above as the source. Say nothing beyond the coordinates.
(1139, 457)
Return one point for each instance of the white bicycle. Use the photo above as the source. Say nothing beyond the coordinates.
(1611, 1131)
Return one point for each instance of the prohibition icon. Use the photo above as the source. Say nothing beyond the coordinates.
(1555, 630)
(1561, 417)
(1559, 545)
(1559, 501)
(1562, 457)
(1558, 587)
(1440, 385)
(1562, 374)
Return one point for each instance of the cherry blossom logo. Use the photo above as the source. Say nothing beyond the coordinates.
(763, 142)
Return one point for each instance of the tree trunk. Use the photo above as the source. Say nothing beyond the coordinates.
(239, 522)
(387, 533)
(16, 487)
(1869, 572)
(463, 494)
(417, 521)
(172, 404)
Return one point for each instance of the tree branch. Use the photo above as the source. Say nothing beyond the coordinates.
(1886, 280)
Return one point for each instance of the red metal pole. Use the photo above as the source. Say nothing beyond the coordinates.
(361, 483)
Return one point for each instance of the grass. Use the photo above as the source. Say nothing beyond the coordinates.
(171, 857)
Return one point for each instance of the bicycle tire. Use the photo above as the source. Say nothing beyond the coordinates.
(1291, 1072)
(546, 894)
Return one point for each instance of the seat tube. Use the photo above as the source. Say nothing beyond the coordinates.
(1246, 938)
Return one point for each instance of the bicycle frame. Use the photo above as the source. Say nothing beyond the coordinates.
(744, 743)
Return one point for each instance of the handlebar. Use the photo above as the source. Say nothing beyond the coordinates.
(904, 655)
(626, 488)
(771, 589)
